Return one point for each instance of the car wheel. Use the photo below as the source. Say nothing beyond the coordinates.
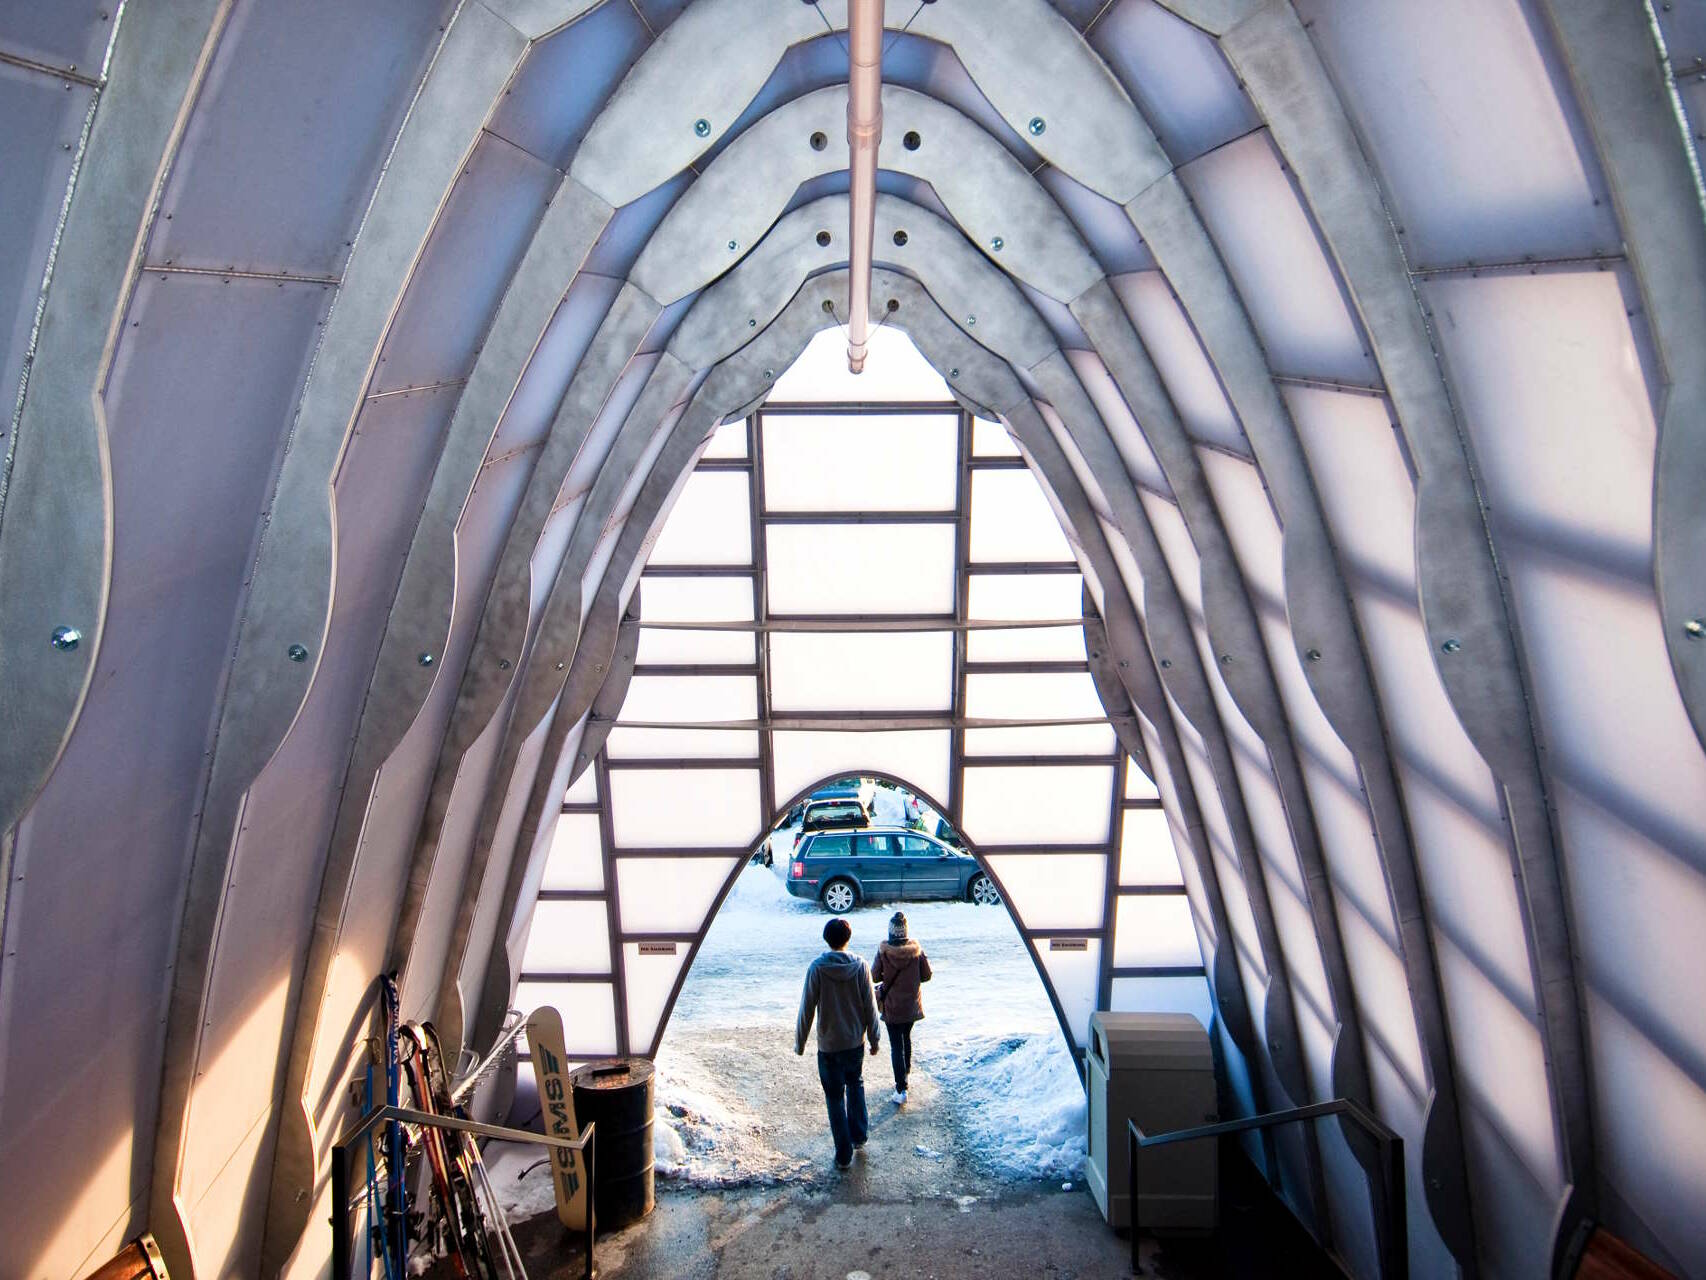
(983, 891)
(839, 896)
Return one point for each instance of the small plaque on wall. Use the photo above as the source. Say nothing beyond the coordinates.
(1069, 944)
(657, 948)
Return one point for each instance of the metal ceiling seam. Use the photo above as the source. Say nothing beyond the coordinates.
(505, 630)
(55, 561)
(1618, 78)
(420, 620)
(1462, 595)
(551, 646)
(1319, 611)
(291, 583)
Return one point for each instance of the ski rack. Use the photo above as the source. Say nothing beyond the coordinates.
(343, 1246)
(461, 1091)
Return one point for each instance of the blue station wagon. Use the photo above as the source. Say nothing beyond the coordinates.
(841, 869)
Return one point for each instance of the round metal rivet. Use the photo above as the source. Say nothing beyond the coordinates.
(1165, 663)
(1037, 125)
(503, 664)
(1451, 646)
(1226, 659)
(66, 639)
(970, 321)
(426, 659)
(1314, 655)
(900, 237)
(769, 373)
(702, 127)
(733, 245)
(997, 245)
(823, 238)
(560, 666)
(819, 141)
(1696, 628)
(953, 373)
(751, 323)
(297, 653)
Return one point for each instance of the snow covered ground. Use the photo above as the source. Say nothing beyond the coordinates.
(993, 1081)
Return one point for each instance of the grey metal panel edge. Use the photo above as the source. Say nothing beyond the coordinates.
(292, 581)
(1318, 607)
(1614, 65)
(1462, 595)
(55, 492)
(747, 185)
(420, 617)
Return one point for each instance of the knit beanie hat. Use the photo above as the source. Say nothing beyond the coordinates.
(897, 927)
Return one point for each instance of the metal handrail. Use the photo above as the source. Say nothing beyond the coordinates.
(1393, 1246)
(343, 1247)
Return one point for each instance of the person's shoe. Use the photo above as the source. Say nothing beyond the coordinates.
(859, 1145)
(841, 1164)
(899, 1098)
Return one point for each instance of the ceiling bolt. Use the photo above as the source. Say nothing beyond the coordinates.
(1314, 655)
(65, 639)
(297, 653)
(751, 323)
(970, 321)
(560, 666)
(1166, 663)
(1226, 659)
(425, 659)
(503, 664)
(702, 127)
(1696, 628)
(997, 245)
(733, 245)
(1037, 125)
(1453, 645)
(953, 373)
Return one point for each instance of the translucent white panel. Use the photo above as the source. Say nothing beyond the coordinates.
(576, 858)
(860, 462)
(1053, 890)
(584, 789)
(860, 568)
(1036, 696)
(990, 440)
(894, 371)
(918, 758)
(1178, 550)
(1276, 261)
(710, 523)
(1075, 977)
(650, 978)
(668, 895)
(690, 699)
(1147, 855)
(870, 671)
(1138, 784)
(1250, 524)
(665, 599)
(626, 743)
(1011, 519)
(682, 808)
(728, 441)
(1110, 404)
(588, 1009)
(568, 937)
(1185, 370)
(1460, 113)
(1038, 804)
(1003, 597)
(733, 647)
(1165, 995)
(1154, 930)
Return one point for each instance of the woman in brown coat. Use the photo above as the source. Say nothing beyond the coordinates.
(900, 968)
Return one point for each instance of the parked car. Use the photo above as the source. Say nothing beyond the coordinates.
(842, 868)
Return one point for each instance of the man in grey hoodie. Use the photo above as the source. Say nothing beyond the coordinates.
(839, 994)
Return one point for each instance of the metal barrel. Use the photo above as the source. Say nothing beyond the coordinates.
(616, 1095)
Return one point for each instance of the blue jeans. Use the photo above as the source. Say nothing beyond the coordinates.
(843, 1080)
(900, 1051)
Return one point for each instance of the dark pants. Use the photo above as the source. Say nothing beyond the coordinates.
(900, 1051)
(842, 1076)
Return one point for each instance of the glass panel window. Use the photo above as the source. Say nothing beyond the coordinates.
(894, 372)
(860, 462)
(861, 671)
(728, 441)
(1010, 597)
(872, 847)
(831, 847)
(860, 568)
(1011, 519)
(990, 440)
(711, 522)
(917, 846)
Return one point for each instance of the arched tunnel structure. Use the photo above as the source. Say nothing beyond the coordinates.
(361, 350)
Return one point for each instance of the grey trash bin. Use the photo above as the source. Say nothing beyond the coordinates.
(1157, 1069)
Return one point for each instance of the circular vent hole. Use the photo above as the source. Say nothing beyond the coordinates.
(820, 140)
(823, 239)
(894, 304)
(900, 237)
(911, 141)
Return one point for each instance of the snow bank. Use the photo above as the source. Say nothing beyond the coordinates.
(1017, 1100)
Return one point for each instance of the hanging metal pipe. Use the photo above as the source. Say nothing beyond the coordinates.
(864, 132)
